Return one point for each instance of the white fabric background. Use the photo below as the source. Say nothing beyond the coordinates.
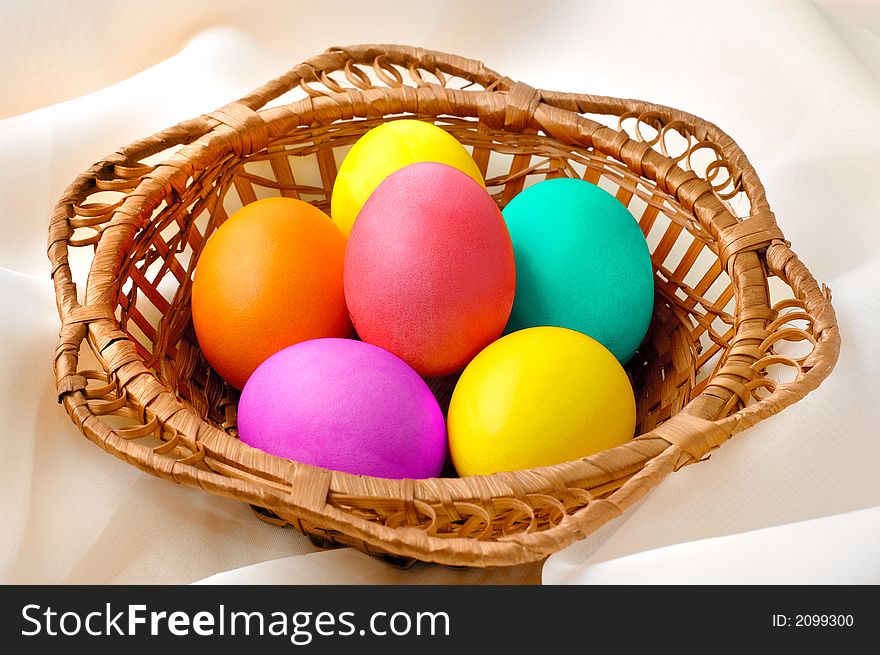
(794, 83)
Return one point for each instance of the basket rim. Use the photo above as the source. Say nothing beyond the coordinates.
(684, 439)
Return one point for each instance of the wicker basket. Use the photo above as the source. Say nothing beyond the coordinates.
(740, 328)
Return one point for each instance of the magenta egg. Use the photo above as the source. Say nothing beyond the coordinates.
(345, 405)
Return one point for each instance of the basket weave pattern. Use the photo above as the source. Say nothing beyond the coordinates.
(740, 329)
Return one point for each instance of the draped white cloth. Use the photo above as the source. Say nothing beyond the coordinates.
(794, 83)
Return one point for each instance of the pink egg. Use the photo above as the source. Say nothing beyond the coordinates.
(429, 269)
(345, 405)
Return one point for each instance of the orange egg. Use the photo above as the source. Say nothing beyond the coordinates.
(269, 277)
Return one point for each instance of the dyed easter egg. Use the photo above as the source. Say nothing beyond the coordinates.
(269, 277)
(537, 397)
(582, 263)
(429, 269)
(388, 148)
(345, 405)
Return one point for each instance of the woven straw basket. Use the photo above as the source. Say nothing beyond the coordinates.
(740, 328)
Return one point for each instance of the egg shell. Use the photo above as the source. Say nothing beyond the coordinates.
(429, 268)
(345, 405)
(386, 149)
(538, 397)
(268, 277)
(582, 263)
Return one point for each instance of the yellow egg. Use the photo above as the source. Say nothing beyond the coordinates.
(386, 149)
(536, 397)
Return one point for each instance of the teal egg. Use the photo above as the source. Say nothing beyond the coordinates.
(582, 263)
